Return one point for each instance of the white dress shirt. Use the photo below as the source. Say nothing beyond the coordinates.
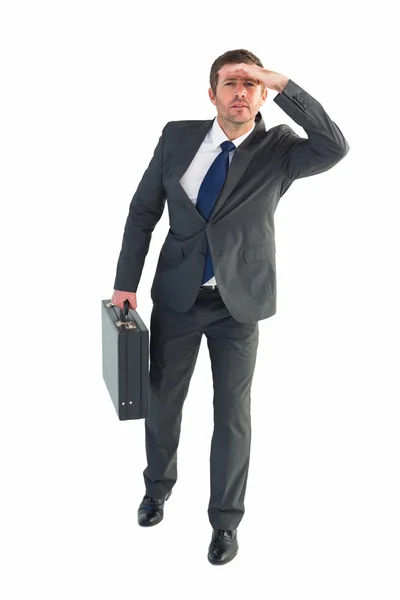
(205, 156)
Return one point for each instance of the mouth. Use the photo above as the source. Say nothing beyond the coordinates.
(239, 106)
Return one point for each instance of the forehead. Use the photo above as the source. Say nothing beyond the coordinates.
(225, 79)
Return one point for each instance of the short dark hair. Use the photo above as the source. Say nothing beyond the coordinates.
(232, 57)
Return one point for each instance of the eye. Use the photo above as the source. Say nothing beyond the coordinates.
(248, 83)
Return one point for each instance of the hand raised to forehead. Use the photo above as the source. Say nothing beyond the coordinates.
(271, 79)
(242, 70)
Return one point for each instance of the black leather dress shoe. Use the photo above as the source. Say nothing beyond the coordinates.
(224, 546)
(151, 510)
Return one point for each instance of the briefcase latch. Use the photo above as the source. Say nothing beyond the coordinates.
(126, 324)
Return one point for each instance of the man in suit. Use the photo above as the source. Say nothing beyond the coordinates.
(223, 179)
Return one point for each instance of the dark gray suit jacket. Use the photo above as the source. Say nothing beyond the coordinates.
(240, 231)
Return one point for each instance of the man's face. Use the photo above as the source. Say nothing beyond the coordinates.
(238, 91)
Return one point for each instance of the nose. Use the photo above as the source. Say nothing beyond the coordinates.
(240, 88)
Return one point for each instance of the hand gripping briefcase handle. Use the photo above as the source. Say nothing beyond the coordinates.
(124, 322)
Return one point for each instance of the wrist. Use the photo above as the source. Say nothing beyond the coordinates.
(281, 84)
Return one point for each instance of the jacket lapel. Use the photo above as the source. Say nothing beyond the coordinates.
(190, 141)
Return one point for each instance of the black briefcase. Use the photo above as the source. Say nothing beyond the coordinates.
(125, 350)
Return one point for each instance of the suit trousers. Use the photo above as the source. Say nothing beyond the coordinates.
(174, 345)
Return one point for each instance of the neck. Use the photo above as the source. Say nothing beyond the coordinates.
(234, 130)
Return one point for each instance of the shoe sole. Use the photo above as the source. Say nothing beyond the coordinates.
(222, 562)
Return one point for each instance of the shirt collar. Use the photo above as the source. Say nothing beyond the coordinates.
(218, 135)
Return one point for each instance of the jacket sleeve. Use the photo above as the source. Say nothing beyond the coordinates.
(326, 146)
(145, 210)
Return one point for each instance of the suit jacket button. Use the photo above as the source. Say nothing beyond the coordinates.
(201, 256)
(209, 225)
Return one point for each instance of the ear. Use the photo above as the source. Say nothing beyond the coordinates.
(211, 96)
(263, 96)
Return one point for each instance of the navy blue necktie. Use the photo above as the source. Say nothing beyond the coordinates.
(208, 194)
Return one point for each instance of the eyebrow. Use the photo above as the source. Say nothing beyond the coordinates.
(235, 78)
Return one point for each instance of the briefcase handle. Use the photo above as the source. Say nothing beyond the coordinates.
(124, 313)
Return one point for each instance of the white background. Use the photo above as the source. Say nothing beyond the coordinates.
(86, 90)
